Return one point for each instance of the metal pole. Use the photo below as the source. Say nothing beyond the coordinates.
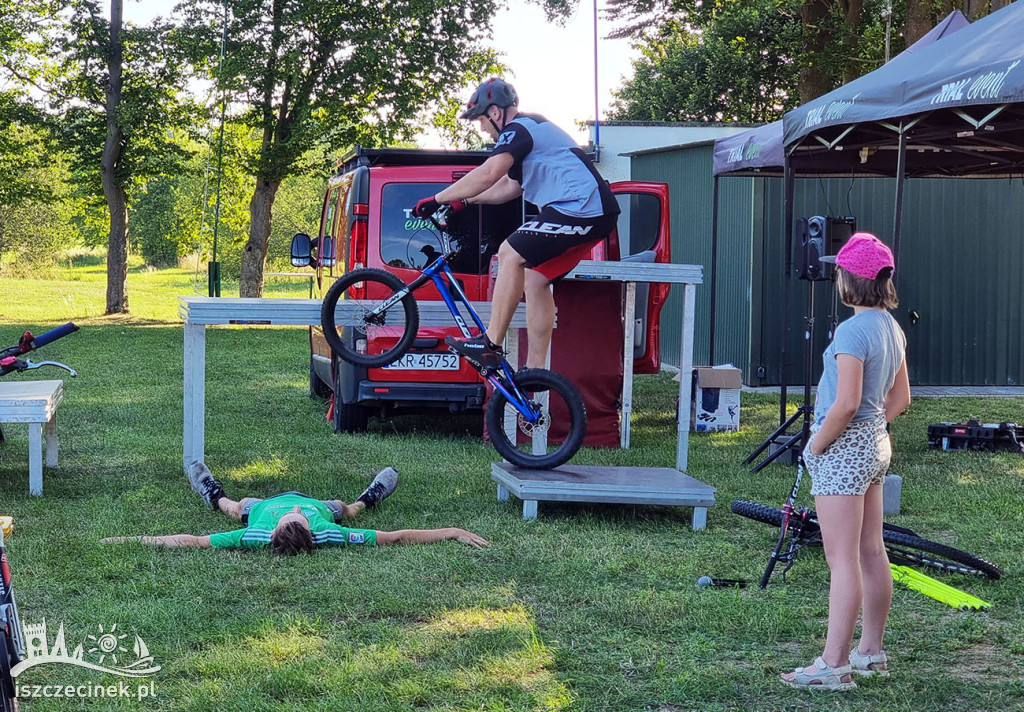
(597, 113)
(214, 268)
(789, 193)
(714, 269)
(897, 222)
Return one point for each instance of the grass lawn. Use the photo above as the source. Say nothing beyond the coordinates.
(586, 608)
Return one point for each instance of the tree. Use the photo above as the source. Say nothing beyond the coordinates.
(318, 72)
(740, 68)
(753, 60)
(110, 92)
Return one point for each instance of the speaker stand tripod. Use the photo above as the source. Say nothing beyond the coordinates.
(782, 443)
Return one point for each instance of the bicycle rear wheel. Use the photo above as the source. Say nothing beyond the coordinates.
(902, 545)
(563, 421)
(382, 336)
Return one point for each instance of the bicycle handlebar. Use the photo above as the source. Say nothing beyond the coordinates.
(54, 334)
(29, 342)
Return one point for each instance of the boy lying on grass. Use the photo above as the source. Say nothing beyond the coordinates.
(291, 522)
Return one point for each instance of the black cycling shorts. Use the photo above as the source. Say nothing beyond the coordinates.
(553, 243)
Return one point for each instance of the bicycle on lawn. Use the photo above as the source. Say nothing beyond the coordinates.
(12, 642)
(798, 527)
(547, 410)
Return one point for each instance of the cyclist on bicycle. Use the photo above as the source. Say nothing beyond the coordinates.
(291, 523)
(535, 159)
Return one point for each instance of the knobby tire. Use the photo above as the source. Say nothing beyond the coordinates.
(532, 381)
(379, 285)
(902, 546)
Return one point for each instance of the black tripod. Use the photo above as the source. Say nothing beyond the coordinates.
(786, 443)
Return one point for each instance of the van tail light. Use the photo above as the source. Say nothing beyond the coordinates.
(360, 346)
(358, 239)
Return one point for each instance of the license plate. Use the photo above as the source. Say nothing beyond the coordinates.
(427, 361)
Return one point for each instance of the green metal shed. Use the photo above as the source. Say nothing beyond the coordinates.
(960, 280)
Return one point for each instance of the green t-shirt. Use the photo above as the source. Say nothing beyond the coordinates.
(264, 515)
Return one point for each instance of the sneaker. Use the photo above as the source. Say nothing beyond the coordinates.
(478, 351)
(382, 486)
(204, 484)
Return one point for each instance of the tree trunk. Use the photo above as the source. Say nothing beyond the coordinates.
(813, 81)
(254, 255)
(852, 10)
(113, 149)
(919, 20)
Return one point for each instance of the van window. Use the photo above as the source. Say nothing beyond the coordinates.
(638, 223)
(412, 243)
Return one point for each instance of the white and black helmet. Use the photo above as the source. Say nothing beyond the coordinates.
(493, 92)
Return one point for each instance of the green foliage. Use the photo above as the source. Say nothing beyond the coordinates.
(36, 201)
(740, 68)
(740, 61)
(153, 108)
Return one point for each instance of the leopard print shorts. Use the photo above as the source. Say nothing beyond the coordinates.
(857, 459)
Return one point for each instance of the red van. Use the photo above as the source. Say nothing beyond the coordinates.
(367, 222)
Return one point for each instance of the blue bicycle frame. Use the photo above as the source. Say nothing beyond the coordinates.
(448, 287)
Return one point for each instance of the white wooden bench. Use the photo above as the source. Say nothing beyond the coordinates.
(35, 403)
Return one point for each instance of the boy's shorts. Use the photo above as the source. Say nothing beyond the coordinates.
(858, 458)
(553, 243)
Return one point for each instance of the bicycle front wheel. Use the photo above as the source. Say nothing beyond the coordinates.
(913, 550)
(356, 301)
(555, 437)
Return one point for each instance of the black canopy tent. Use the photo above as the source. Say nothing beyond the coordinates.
(762, 151)
(953, 108)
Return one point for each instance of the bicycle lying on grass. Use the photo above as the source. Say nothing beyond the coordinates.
(12, 644)
(384, 310)
(800, 526)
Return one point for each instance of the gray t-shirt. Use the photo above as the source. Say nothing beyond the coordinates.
(875, 338)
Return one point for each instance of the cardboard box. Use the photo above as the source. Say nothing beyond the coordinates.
(715, 399)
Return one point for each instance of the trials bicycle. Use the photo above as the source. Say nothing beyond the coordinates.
(798, 527)
(541, 402)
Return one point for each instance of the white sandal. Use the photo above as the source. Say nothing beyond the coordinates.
(868, 665)
(826, 678)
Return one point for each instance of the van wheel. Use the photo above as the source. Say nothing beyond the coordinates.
(317, 388)
(348, 417)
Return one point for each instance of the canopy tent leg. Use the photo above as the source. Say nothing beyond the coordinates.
(787, 215)
(901, 179)
(714, 269)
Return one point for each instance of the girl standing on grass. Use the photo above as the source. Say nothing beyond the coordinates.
(864, 385)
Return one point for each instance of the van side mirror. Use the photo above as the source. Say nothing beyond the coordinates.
(327, 256)
(302, 249)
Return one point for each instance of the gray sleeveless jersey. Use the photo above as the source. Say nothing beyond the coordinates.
(553, 170)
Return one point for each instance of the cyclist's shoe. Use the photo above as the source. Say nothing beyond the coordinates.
(204, 484)
(382, 486)
(478, 350)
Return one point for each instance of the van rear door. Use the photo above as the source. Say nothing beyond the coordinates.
(644, 235)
